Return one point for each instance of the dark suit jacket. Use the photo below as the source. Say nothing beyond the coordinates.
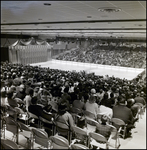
(122, 112)
(35, 109)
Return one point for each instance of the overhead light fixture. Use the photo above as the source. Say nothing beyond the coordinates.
(109, 9)
(139, 25)
(89, 17)
(47, 4)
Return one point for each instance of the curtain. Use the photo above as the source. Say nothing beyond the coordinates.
(40, 42)
(26, 42)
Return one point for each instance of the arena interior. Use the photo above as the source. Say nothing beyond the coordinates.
(73, 75)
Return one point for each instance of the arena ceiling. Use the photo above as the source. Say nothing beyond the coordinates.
(123, 19)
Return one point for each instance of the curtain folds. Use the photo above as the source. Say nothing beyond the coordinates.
(40, 42)
(26, 42)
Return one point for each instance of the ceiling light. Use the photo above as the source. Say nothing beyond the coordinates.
(139, 25)
(109, 9)
(89, 17)
(47, 4)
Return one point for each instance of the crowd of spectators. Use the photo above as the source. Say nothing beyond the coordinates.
(108, 55)
(90, 91)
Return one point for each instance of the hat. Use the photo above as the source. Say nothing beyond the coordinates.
(93, 91)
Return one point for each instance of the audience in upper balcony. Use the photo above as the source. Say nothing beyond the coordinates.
(116, 56)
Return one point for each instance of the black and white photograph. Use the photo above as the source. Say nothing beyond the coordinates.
(73, 74)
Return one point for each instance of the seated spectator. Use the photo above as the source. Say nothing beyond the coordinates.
(104, 99)
(45, 97)
(111, 101)
(11, 101)
(66, 95)
(81, 123)
(64, 116)
(65, 98)
(34, 107)
(103, 128)
(21, 93)
(134, 108)
(139, 99)
(122, 112)
(106, 111)
(4, 103)
(28, 98)
(100, 94)
(78, 103)
(92, 106)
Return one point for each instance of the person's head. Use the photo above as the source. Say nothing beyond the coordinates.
(66, 89)
(93, 91)
(142, 94)
(62, 108)
(121, 100)
(21, 87)
(86, 96)
(104, 119)
(130, 102)
(34, 100)
(111, 94)
(92, 99)
(13, 88)
(9, 94)
(30, 92)
(81, 122)
(36, 90)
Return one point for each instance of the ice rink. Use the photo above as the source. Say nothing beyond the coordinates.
(116, 71)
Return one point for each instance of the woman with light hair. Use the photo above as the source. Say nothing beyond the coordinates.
(91, 105)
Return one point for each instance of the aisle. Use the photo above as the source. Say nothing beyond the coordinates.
(138, 140)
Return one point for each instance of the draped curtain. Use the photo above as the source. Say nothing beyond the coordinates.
(26, 42)
(40, 42)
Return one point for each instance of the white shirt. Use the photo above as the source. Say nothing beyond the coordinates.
(106, 110)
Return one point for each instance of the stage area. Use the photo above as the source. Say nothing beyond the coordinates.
(116, 71)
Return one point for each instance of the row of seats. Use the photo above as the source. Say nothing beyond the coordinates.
(32, 133)
(40, 137)
(58, 127)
